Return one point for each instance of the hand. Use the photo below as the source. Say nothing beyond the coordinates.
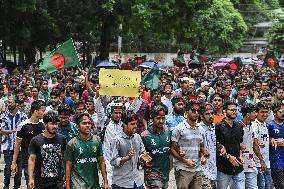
(31, 183)
(273, 143)
(242, 161)
(203, 160)
(145, 157)
(255, 94)
(131, 154)
(223, 151)
(260, 143)
(14, 168)
(190, 163)
(233, 160)
(263, 166)
(243, 147)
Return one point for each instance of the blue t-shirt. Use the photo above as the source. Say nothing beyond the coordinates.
(276, 156)
(172, 120)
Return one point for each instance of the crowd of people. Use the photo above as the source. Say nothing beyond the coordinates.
(213, 128)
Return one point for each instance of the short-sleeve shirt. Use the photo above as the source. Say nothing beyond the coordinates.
(69, 132)
(189, 140)
(84, 155)
(158, 146)
(276, 155)
(26, 131)
(49, 161)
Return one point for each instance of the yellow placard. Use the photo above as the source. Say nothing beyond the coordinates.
(114, 82)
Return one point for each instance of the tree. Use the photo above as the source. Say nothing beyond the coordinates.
(276, 37)
(220, 28)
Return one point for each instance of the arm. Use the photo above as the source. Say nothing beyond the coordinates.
(176, 153)
(68, 167)
(115, 159)
(103, 170)
(100, 113)
(31, 166)
(258, 154)
(8, 132)
(14, 166)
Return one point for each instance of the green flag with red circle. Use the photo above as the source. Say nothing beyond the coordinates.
(270, 60)
(64, 56)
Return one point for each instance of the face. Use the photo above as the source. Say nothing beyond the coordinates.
(90, 106)
(168, 89)
(158, 121)
(217, 102)
(268, 101)
(157, 96)
(179, 108)
(279, 94)
(73, 95)
(11, 103)
(64, 120)
(21, 97)
(242, 96)
(193, 114)
(44, 85)
(34, 92)
(80, 109)
(231, 112)
(40, 112)
(279, 114)
(262, 115)
(131, 127)
(258, 86)
(116, 115)
(264, 86)
(85, 127)
(252, 116)
(51, 127)
(227, 91)
(208, 116)
(54, 100)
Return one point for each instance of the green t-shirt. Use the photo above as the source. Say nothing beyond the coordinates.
(84, 155)
(158, 146)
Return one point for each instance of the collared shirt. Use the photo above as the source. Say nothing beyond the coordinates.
(230, 138)
(173, 120)
(158, 146)
(209, 138)
(112, 130)
(189, 140)
(276, 155)
(98, 117)
(261, 133)
(218, 118)
(11, 122)
(127, 174)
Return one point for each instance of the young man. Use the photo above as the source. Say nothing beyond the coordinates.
(113, 129)
(166, 99)
(25, 132)
(127, 150)
(186, 145)
(45, 165)
(251, 147)
(230, 134)
(276, 151)
(264, 180)
(65, 127)
(217, 101)
(156, 140)
(176, 117)
(207, 128)
(9, 125)
(54, 101)
(82, 155)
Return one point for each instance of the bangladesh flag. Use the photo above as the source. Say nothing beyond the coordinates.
(64, 56)
(204, 57)
(270, 59)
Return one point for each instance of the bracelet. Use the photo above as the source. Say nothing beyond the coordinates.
(227, 156)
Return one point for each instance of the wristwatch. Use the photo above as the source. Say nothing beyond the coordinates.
(227, 156)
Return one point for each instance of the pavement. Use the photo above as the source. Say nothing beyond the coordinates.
(172, 184)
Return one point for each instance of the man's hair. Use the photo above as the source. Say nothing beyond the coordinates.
(215, 95)
(50, 117)
(54, 92)
(228, 103)
(128, 116)
(260, 106)
(36, 105)
(158, 110)
(64, 109)
(247, 108)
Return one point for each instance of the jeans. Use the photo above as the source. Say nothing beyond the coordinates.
(25, 168)
(223, 180)
(251, 180)
(8, 158)
(264, 179)
(114, 186)
(278, 178)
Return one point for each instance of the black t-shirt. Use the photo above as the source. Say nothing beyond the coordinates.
(230, 138)
(49, 160)
(26, 132)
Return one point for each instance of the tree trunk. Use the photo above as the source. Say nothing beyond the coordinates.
(15, 55)
(30, 54)
(106, 31)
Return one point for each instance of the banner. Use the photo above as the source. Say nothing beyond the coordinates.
(114, 82)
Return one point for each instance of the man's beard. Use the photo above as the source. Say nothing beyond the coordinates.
(179, 111)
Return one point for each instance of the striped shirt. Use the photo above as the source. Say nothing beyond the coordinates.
(11, 122)
(189, 140)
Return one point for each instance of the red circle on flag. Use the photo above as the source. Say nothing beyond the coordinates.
(271, 62)
(57, 60)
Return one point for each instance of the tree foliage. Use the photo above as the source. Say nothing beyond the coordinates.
(276, 37)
